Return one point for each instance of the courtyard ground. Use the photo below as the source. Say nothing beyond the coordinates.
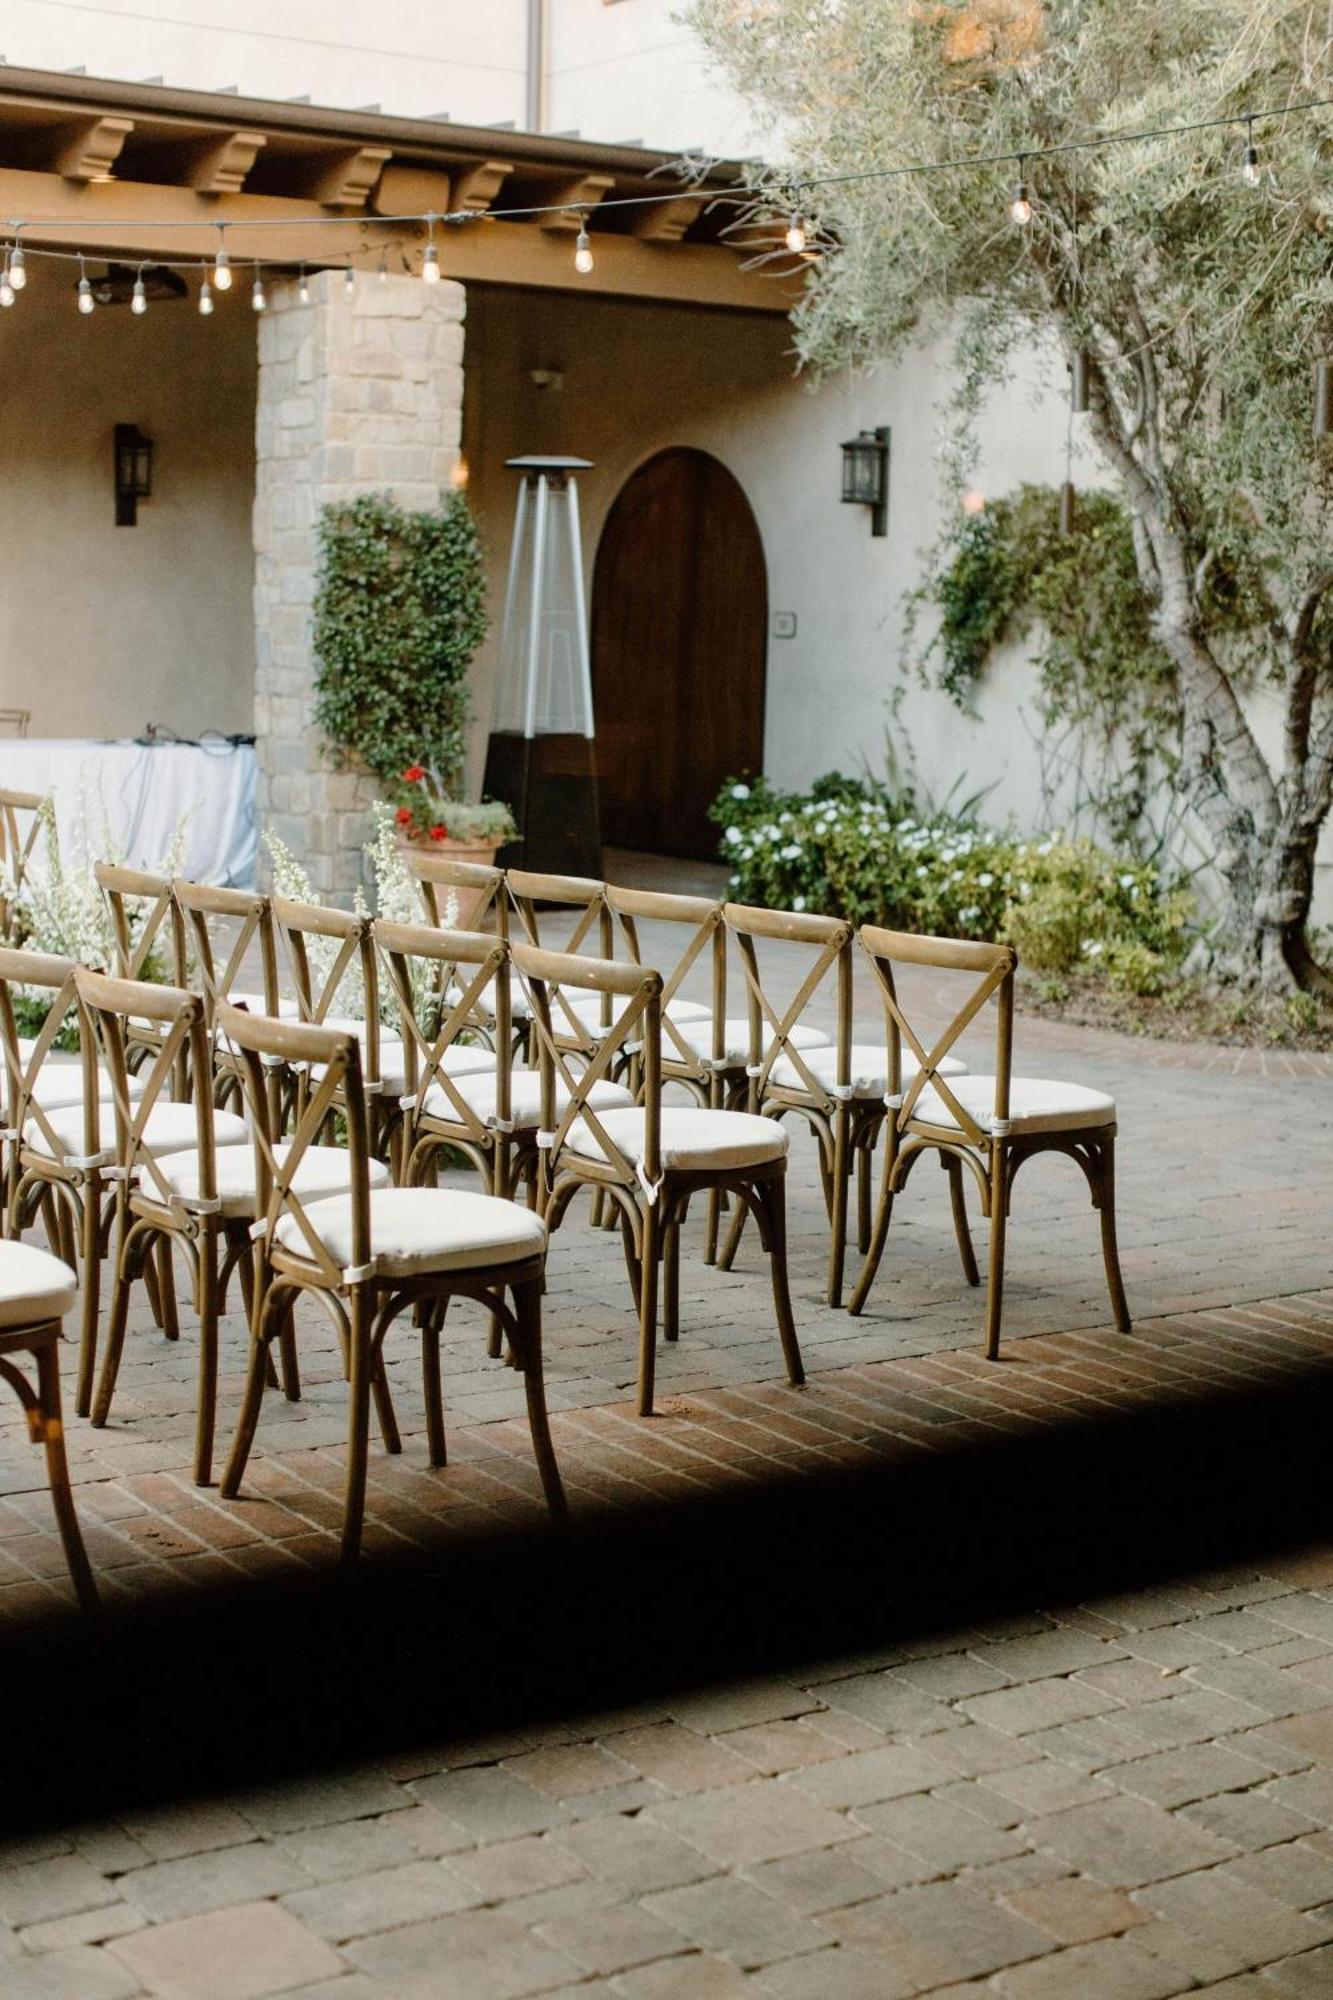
(939, 1677)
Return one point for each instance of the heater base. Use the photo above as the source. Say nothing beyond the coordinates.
(550, 784)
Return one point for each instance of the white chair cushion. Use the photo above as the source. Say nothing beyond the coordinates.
(1034, 1105)
(736, 1040)
(691, 1140)
(588, 1007)
(253, 1003)
(869, 1074)
(525, 1097)
(418, 1230)
(322, 1171)
(171, 1129)
(61, 1084)
(34, 1285)
(519, 1009)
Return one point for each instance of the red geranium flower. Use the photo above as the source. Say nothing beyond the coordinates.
(439, 833)
(414, 774)
(403, 816)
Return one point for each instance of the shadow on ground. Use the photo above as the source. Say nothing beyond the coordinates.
(254, 1685)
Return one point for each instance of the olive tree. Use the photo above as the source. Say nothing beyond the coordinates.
(1200, 296)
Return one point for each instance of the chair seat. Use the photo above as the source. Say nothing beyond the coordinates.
(525, 1097)
(869, 1069)
(321, 1171)
(519, 1010)
(61, 1085)
(692, 1141)
(171, 1129)
(415, 1231)
(34, 1285)
(1034, 1105)
(456, 1061)
(254, 1003)
(698, 1036)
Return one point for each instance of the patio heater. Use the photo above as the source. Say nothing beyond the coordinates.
(540, 756)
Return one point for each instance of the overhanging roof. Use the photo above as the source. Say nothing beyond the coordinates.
(91, 163)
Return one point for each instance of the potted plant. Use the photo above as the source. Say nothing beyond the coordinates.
(400, 610)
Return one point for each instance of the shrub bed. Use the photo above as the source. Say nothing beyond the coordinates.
(848, 848)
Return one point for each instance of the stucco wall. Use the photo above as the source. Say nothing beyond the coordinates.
(104, 629)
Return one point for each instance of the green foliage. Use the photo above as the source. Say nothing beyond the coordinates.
(847, 848)
(399, 614)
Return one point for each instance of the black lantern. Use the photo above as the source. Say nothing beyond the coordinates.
(865, 475)
(134, 473)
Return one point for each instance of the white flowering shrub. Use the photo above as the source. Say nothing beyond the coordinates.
(847, 848)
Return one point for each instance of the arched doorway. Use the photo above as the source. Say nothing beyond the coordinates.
(679, 631)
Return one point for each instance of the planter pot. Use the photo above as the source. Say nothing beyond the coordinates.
(481, 853)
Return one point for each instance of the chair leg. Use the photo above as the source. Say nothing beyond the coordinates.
(115, 1340)
(864, 1159)
(734, 1234)
(773, 1195)
(714, 1215)
(385, 1414)
(839, 1176)
(528, 1310)
(432, 1325)
(879, 1236)
(208, 1357)
(57, 1472)
(953, 1167)
(1110, 1249)
(671, 1281)
(359, 1372)
(247, 1421)
(648, 1264)
(91, 1274)
(999, 1204)
(166, 1287)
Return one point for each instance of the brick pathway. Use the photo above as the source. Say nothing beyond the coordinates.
(1124, 1796)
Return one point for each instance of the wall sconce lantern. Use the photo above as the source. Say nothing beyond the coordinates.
(865, 475)
(134, 473)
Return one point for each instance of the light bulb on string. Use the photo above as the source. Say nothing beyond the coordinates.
(430, 263)
(583, 250)
(257, 299)
(1020, 208)
(349, 282)
(205, 297)
(384, 268)
(139, 295)
(303, 288)
(1251, 173)
(18, 275)
(222, 265)
(7, 292)
(796, 237)
(87, 303)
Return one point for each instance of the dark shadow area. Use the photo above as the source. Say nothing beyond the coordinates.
(253, 1685)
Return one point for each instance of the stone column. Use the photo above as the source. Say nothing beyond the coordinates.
(356, 395)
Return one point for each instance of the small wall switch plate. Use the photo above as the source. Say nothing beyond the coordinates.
(784, 624)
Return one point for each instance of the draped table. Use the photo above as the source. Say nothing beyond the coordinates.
(131, 797)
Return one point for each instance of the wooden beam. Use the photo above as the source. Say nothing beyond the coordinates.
(405, 189)
(345, 179)
(667, 221)
(88, 149)
(512, 253)
(477, 187)
(587, 190)
(221, 166)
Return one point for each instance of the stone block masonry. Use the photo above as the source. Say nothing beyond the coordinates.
(356, 395)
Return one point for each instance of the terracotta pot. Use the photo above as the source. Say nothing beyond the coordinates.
(480, 852)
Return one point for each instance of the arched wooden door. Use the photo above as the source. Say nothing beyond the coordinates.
(679, 631)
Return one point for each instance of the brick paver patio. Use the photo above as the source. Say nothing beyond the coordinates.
(1125, 1794)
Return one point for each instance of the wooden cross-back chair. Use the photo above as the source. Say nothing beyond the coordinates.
(148, 936)
(470, 882)
(578, 1018)
(435, 1011)
(16, 845)
(649, 1158)
(988, 1123)
(224, 930)
(370, 1254)
(166, 1191)
(837, 1086)
(693, 1043)
(330, 960)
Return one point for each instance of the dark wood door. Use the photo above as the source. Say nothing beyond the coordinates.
(679, 629)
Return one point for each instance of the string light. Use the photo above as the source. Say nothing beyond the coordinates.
(430, 263)
(87, 303)
(796, 234)
(1021, 206)
(384, 267)
(303, 288)
(1250, 162)
(583, 250)
(222, 264)
(349, 282)
(257, 299)
(205, 297)
(7, 292)
(18, 275)
(139, 296)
